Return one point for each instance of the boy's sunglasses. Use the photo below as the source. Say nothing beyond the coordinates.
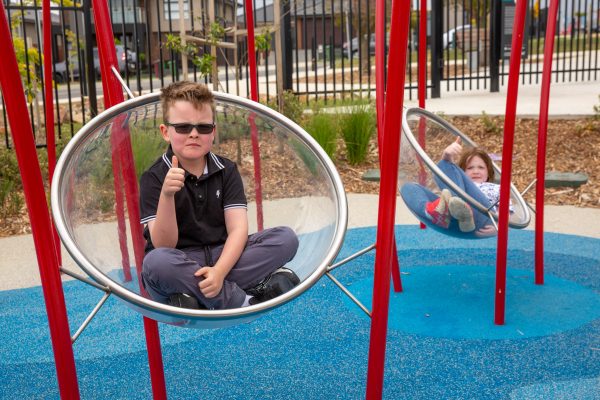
(203, 129)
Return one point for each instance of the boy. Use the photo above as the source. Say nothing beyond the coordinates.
(198, 252)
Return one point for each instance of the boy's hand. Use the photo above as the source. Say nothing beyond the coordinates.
(212, 283)
(174, 179)
(453, 151)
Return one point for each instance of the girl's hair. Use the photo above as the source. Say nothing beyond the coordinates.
(477, 152)
(196, 93)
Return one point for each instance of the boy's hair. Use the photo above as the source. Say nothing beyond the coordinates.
(196, 93)
(476, 151)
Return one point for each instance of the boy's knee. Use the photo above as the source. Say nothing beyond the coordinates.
(289, 241)
(288, 237)
(156, 263)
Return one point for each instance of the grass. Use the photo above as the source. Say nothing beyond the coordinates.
(323, 128)
(357, 129)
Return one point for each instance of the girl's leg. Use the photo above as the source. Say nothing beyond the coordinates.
(426, 205)
(458, 176)
(416, 198)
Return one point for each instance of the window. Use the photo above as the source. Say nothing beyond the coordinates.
(173, 7)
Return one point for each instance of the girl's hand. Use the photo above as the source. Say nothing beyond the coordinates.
(453, 151)
(486, 231)
(174, 179)
(212, 283)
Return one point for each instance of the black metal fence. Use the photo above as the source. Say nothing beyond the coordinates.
(318, 49)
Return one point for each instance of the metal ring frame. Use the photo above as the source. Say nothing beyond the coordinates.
(157, 310)
(416, 111)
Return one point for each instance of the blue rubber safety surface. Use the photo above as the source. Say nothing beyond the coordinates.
(442, 342)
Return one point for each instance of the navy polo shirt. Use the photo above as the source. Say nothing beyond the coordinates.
(200, 205)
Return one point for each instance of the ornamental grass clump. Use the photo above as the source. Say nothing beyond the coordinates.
(323, 128)
(357, 129)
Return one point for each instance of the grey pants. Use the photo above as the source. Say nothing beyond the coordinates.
(167, 271)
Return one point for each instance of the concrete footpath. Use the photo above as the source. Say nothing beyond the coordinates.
(18, 263)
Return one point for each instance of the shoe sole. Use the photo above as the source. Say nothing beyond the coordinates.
(462, 213)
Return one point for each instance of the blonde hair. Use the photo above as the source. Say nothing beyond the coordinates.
(477, 152)
(196, 93)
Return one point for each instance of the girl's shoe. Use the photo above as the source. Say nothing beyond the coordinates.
(437, 210)
(463, 213)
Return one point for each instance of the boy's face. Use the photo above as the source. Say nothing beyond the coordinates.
(193, 146)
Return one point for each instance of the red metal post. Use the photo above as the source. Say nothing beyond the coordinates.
(120, 210)
(422, 84)
(380, 39)
(387, 197)
(35, 198)
(542, 139)
(507, 150)
(113, 94)
(253, 128)
(50, 142)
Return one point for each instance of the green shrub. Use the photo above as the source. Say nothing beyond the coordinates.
(146, 146)
(11, 197)
(597, 111)
(323, 128)
(357, 129)
(292, 106)
(491, 124)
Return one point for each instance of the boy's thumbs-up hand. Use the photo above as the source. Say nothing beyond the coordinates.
(174, 179)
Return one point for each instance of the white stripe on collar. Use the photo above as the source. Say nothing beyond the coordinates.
(166, 160)
(217, 162)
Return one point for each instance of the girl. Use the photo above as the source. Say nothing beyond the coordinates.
(474, 174)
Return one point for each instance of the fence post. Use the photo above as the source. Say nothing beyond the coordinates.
(89, 58)
(495, 45)
(437, 47)
(286, 41)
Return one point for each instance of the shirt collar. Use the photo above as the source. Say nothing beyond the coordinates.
(213, 164)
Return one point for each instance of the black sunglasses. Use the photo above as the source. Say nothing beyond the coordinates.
(203, 129)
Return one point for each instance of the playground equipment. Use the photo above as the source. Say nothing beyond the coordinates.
(303, 191)
(390, 126)
(424, 136)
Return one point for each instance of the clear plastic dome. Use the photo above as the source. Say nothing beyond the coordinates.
(300, 189)
(424, 137)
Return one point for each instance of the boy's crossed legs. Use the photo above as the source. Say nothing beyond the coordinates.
(168, 271)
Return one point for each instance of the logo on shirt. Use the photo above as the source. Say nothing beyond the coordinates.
(218, 193)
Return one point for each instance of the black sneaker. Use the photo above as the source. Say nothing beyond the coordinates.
(279, 282)
(184, 301)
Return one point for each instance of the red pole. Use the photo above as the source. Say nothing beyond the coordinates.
(113, 94)
(253, 128)
(422, 53)
(50, 142)
(422, 84)
(387, 197)
(35, 198)
(379, 102)
(542, 139)
(507, 150)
